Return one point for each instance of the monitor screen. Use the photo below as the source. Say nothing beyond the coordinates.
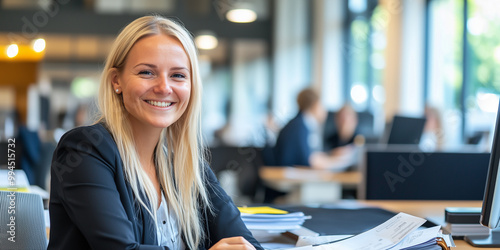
(490, 213)
(490, 216)
(406, 130)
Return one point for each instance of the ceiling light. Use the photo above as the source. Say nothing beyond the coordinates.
(39, 45)
(206, 40)
(12, 50)
(241, 15)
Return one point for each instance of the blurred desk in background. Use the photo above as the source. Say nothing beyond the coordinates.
(306, 185)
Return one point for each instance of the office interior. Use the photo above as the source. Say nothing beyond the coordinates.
(382, 57)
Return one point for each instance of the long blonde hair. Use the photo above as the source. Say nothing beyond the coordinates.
(182, 176)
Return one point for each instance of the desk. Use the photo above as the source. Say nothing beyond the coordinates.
(307, 185)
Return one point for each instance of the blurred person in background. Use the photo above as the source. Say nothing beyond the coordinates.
(433, 135)
(300, 142)
(138, 179)
(346, 122)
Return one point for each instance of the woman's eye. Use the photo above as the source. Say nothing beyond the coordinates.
(145, 72)
(178, 76)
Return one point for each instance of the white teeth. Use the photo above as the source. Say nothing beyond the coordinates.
(160, 104)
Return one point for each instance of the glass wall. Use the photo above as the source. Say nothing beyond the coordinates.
(463, 65)
(363, 54)
(444, 83)
(483, 65)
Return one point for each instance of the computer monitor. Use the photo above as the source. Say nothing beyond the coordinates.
(490, 214)
(406, 130)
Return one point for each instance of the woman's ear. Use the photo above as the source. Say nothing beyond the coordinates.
(114, 76)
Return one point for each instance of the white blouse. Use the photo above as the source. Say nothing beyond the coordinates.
(167, 227)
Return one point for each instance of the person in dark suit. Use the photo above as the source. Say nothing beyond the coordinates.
(299, 143)
(137, 179)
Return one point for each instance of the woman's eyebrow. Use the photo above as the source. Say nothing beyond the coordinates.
(145, 64)
(180, 68)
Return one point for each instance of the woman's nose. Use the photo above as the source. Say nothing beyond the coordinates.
(163, 86)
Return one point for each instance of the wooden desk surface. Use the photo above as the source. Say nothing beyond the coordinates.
(299, 175)
(425, 209)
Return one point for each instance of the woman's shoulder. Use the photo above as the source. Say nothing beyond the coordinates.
(94, 134)
(87, 145)
(88, 138)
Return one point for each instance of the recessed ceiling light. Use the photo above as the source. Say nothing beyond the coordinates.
(206, 40)
(241, 15)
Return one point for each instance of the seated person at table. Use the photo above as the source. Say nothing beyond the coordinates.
(137, 179)
(346, 121)
(300, 141)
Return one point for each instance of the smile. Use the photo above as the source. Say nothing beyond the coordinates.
(160, 104)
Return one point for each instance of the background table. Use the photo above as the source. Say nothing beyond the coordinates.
(306, 185)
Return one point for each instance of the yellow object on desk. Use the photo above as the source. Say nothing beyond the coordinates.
(15, 189)
(261, 210)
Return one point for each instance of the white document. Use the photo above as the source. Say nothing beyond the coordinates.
(419, 238)
(317, 240)
(384, 236)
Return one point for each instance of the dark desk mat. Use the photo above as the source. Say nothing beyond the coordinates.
(331, 221)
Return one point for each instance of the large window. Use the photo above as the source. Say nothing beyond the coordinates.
(364, 53)
(463, 64)
(444, 66)
(483, 64)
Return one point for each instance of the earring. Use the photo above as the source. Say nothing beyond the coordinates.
(117, 90)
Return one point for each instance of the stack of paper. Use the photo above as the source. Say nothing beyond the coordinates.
(399, 232)
(271, 219)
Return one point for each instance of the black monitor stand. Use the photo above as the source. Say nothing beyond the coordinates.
(491, 240)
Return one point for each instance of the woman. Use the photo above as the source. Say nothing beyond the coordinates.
(137, 179)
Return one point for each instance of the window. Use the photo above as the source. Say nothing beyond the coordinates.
(483, 64)
(364, 54)
(464, 64)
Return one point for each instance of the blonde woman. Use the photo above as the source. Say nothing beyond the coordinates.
(137, 178)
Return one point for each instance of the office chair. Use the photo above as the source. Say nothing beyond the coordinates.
(28, 225)
(244, 162)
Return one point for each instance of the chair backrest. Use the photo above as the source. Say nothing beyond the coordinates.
(417, 175)
(244, 161)
(22, 222)
(365, 124)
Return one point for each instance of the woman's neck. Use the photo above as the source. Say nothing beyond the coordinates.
(145, 141)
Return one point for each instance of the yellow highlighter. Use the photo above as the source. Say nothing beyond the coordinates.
(261, 210)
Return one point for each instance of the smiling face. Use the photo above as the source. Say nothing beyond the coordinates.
(155, 82)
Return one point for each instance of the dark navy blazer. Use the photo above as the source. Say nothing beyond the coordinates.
(92, 205)
(292, 146)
